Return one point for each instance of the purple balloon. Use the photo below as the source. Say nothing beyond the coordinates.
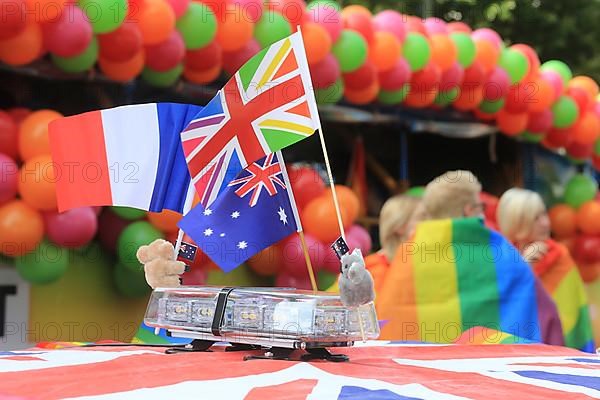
(328, 17)
(9, 173)
(555, 80)
(70, 34)
(497, 85)
(435, 26)
(359, 238)
(391, 21)
(73, 228)
(325, 73)
(487, 34)
(540, 122)
(166, 55)
(452, 77)
(396, 77)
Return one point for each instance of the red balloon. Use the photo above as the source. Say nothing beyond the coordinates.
(285, 279)
(9, 136)
(293, 258)
(166, 55)
(233, 60)
(110, 226)
(587, 249)
(196, 276)
(580, 96)
(9, 172)
(427, 79)
(497, 85)
(325, 73)
(474, 75)
(70, 34)
(18, 113)
(306, 183)
(396, 77)
(121, 44)
(557, 138)
(517, 99)
(361, 23)
(362, 78)
(540, 122)
(73, 228)
(179, 7)
(580, 151)
(13, 18)
(452, 77)
(205, 57)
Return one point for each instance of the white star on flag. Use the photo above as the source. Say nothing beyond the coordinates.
(207, 212)
(222, 235)
(235, 214)
(208, 232)
(282, 216)
(242, 245)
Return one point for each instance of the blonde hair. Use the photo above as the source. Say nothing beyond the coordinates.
(395, 214)
(517, 211)
(447, 195)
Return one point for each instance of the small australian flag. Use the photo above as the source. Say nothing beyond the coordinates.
(187, 252)
(340, 247)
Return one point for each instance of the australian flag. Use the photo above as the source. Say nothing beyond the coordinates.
(256, 210)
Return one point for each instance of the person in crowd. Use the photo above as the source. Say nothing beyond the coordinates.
(522, 219)
(454, 274)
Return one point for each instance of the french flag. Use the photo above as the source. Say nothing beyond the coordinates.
(124, 156)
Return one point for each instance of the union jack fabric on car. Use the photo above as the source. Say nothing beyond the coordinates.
(376, 370)
(267, 105)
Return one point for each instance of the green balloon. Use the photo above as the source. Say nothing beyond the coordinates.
(162, 79)
(241, 276)
(597, 148)
(130, 283)
(514, 63)
(393, 97)
(331, 94)
(128, 212)
(132, 238)
(81, 62)
(324, 3)
(565, 112)
(104, 15)
(580, 188)
(444, 98)
(465, 46)
(532, 137)
(559, 67)
(350, 50)
(270, 28)
(416, 51)
(416, 191)
(198, 26)
(325, 279)
(47, 263)
(491, 106)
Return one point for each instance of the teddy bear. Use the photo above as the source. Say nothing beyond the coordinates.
(355, 282)
(160, 266)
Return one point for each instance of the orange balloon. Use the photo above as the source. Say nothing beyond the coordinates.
(487, 54)
(511, 123)
(319, 219)
(587, 129)
(316, 41)
(540, 94)
(349, 203)
(589, 272)
(21, 228)
(443, 51)
(37, 182)
(165, 220)
(33, 133)
(356, 8)
(362, 96)
(123, 71)
(384, 51)
(588, 217)
(563, 221)
(23, 48)
(268, 262)
(156, 20)
(468, 98)
(420, 98)
(202, 76)
(234, 30)
(586, 83)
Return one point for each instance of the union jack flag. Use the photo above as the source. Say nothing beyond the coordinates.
(376, 370)
(267, 105)
(260, 176)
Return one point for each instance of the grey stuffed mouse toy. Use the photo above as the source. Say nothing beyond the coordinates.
(355, 282)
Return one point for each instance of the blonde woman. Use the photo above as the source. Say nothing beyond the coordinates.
(523, 220)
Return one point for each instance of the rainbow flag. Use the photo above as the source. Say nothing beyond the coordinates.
(146, 335)
(455, 275)
(482, 335)
(560, 277)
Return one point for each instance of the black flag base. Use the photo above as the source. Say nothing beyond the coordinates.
(285, 354)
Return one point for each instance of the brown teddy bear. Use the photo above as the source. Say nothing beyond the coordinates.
(160, 266)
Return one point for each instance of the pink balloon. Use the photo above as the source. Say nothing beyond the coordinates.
(9, 172)
(452, 77)
(540, 122)
(294, 260)
(328, 17)
(233, 60)
(555, 80)
(396, 77)
(489, 35)
(73, 228)
(70, 34)
(325, 73)
(497, 85)
(359, 238)
(251, 9)
(166, 55)
(179, 7)
(435, 26)
(286, 280)
(391, 21)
